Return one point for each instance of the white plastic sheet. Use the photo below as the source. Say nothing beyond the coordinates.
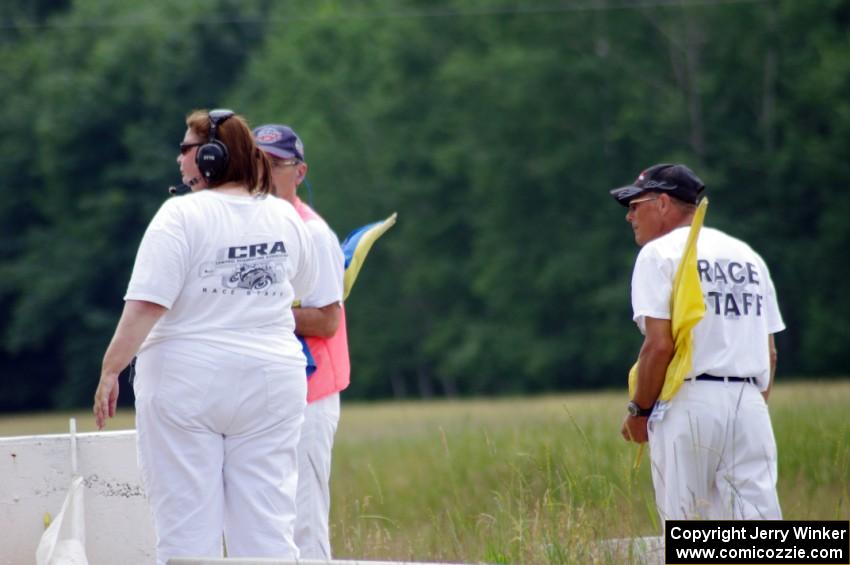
(64, 541)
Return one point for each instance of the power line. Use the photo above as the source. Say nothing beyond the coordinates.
(562, 8)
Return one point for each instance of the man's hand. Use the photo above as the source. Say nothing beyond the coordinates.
(634, 429)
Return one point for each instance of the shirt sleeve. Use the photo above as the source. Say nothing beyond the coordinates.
(330, 264)
(162, 259)
(774, 320)
(305, 275)
(652, 285)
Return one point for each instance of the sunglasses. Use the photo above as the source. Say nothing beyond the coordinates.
(185, 147)
(633, 205)
(281, 163)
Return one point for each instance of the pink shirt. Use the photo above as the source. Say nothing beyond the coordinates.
(333, 367)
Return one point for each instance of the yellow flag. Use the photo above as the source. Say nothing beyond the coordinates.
(687, 308)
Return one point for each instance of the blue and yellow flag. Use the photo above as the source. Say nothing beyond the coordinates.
(356, 246)
(687, 308)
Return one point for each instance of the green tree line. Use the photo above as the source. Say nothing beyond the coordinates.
(494, 129)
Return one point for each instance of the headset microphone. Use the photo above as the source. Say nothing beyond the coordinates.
(183, 188)
(212, 156)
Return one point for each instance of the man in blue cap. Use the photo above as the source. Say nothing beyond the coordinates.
(320, 320)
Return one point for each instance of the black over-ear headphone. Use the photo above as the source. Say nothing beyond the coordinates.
(212, 156)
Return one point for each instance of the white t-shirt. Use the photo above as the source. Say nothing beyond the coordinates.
(227, 268)
(740, 301)
(330, 263)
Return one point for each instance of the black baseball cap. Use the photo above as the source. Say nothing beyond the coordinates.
(676, 180)
(280, 141)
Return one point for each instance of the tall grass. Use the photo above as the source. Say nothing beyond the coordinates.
(506, 481)
(541, 480)
(537, 480)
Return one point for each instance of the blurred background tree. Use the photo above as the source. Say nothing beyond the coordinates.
(494, 129)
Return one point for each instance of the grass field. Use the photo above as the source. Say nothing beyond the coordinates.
(528, 480)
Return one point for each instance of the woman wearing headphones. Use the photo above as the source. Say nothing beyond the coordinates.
(219, 381)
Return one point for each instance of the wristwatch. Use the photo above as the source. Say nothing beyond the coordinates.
(637, 411)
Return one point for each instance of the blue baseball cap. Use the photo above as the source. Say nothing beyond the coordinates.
(279, 141)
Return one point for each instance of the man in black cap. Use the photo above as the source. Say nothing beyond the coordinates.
(712, 446)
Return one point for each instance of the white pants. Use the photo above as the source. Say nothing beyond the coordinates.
(314, 473)
(217, 436)
(714, 454)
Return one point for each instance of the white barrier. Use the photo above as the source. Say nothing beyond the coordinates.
(35, 473)
(267, 561)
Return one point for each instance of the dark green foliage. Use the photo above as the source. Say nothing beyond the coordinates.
(495, 133)
(94, 111)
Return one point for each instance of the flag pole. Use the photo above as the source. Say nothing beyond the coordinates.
(72, 424)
